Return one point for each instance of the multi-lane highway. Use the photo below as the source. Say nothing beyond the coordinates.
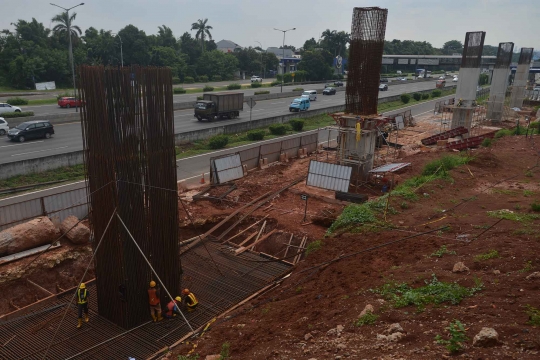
(68, 137)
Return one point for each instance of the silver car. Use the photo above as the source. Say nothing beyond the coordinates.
(5, 107)
(4, 126)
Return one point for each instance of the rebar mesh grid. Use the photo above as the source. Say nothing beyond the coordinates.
(525, 56)
(128, 138)
(472, 50)
(244, 275)
(504, 55)
(365, 57)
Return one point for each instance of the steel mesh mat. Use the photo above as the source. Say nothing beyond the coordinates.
(525, 56)
(365, 57)
(243, 275)
(504, 55)
(472, 49)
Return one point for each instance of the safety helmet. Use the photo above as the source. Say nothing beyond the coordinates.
(152, 283)
(82, 286)
(178, 298)
(185, 291)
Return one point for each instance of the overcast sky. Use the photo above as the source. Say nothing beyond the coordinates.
(245, 21)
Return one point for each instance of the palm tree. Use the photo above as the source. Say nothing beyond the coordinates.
(63, 22)
(203, 30)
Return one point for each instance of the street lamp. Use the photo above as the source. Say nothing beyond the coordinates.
(121, 53)
(264, 73)
(70, 46)
(283, 56)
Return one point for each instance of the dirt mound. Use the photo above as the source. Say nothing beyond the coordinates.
(485, 159)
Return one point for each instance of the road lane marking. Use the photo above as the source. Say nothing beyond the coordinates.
(31, 152)
(35, 142)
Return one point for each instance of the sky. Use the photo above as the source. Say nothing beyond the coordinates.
(248, 21)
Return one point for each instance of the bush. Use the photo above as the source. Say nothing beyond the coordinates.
(405, 98)
(287, 78)
(436, 93)
(256, 135)
(189, 80)
(200, 97)
(216, 78)
(207, 88)
(256, 84)
(425, 96)
(486, 142)
(417, 96)
(278, 129)
(297, 124)
(218, 141)
(65, 94)
(9, 115)
(17, 101)
(264, 92)
(535, 206)
(274, 83)
(457, 337)
(298, 89)
(179, 90)
(234, 86)
(176, 80)
(203, 78)
(368, 318)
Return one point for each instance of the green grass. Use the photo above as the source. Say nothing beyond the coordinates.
(513, 216)
(7, 89)
(313, 246)
(534, 315)
(434, 292)
(493, 254)
(442, 251)
(360, 216)
(393, 105)
(368, 318)
(42, 101)
(69, 173)
(457, 337)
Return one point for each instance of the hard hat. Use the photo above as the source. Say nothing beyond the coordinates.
(82, 286)
(185, 291)
(178, 298)
(152, 283)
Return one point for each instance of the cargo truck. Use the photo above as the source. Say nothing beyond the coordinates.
(219, 106)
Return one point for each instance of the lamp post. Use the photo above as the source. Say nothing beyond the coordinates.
(70, 46)
(283, 56)
(264, 73)
(121, 53)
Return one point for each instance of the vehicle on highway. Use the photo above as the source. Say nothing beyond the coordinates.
(399, 72)
(442, 77)
(299, 104)
(256, 79)
(536, 88)
(455, 79)
(329, 91)
(4, 126)
(31, 130)
(310, 94)
(5, 107)
(338, 83)
(69, 102)
(440, 84)
(384, 80)
(383, 87)
(402, 79)
(219, 106)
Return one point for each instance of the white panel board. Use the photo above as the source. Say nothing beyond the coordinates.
(227, 168)
(329, 176)
(51, 85)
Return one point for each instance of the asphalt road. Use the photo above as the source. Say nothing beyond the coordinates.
(68, 137)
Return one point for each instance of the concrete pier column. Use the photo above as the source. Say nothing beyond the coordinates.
(520, 79)
(499, 82)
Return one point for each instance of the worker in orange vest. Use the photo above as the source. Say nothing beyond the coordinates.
(154, 302)
(173, 307)
(190, 301)
(82, 303)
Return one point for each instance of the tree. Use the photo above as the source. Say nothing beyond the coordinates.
(166, 38)
(310, 44)
(490, 50)
(288, 47)
(167, 56)
(270, 61)
(64, 22)
(189, 46)
(216, 62)
(135, 46)
(249, 60)
(335, 42)
(203, 30)
(316, 67)
(452, 47)
(409, 47)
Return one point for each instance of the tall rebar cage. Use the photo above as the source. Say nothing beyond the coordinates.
(525, 56)
(504, 55)
(472, 50)
(365, 57)
(129, 155)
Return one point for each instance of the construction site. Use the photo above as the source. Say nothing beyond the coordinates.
(378, 237)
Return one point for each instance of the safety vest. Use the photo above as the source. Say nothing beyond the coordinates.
(152, 297)
(191, 301)
(81, 297)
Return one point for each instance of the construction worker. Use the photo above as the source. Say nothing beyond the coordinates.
(190, 301)
(82, 303)
(172, 307)
(153, 301)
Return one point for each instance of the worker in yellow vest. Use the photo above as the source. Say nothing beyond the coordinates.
(190, 301)
(82, 303)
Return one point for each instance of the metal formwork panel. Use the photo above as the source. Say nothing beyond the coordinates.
(329, 176)
(226, 168)
(271, 151)
(310, 142)
(14, 214)
(68, 203)
(291, 146)
(250, 157)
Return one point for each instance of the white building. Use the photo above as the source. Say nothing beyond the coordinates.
(227, 46)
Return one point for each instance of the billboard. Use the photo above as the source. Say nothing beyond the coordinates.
(46, 86)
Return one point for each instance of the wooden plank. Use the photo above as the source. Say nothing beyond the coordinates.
(243, 231)
(242, 249)
(259, 234)
(299, 253)
(39, 287)
(289, 244)
(247, 239)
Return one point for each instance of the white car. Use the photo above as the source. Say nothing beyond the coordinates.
(536, 88)
(5, 107)
(310, 94)
(442, 77)
(256, 79)
(4, 127)
(455, 79)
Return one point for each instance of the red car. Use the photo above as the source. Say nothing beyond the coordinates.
(68, 102)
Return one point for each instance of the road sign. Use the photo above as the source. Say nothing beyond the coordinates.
(251, 103)
(339, 62)
(303, 197)
(292, 74)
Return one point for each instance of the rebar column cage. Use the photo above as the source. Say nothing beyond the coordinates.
(504, 55)
(365, 57)
(129, 155)
(472, 49)
(525, 56)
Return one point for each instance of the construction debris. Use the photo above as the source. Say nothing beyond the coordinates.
(33, 233)
(79, 233)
